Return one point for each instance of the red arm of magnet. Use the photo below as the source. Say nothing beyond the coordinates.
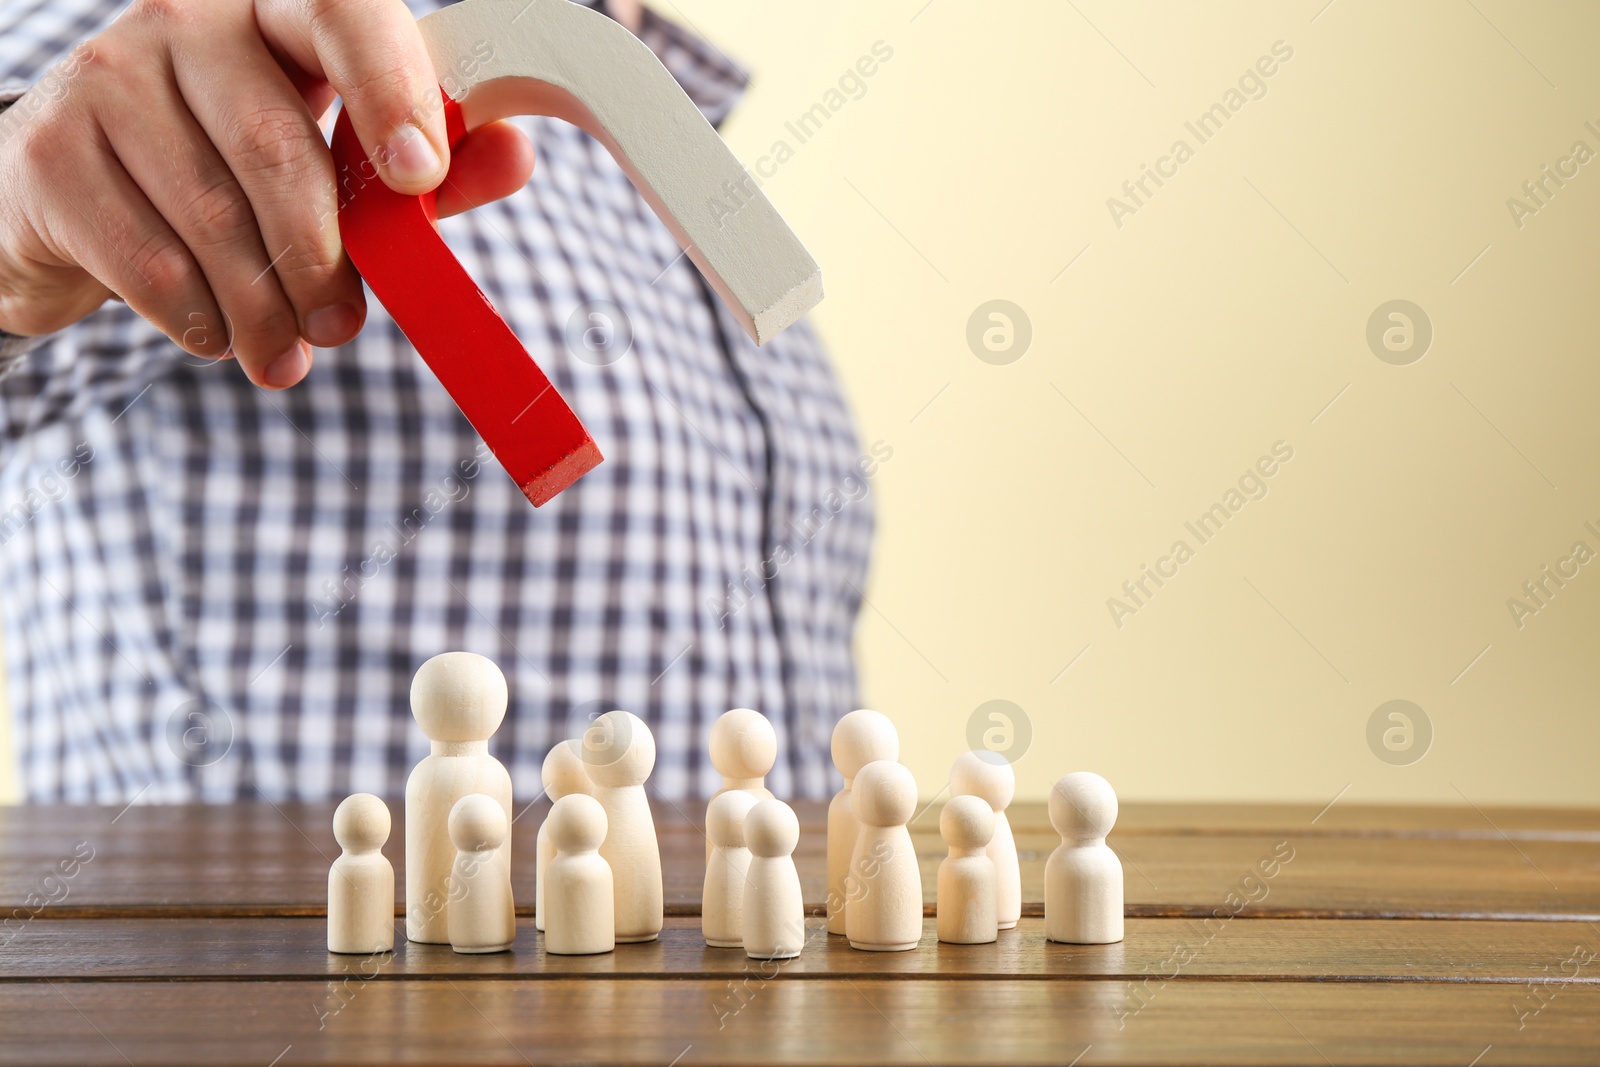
(394, 242)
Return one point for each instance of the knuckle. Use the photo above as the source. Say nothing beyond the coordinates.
(386, 88)
(37, 147)
(163, 265)
(268, 326)
(273, 144)
(219, 212)
(160, 11)
(309, 262)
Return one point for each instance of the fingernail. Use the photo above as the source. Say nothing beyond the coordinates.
(410, 159)
(287, 368)
(332, 325)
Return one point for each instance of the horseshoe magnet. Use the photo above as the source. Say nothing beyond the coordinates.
(500, 58)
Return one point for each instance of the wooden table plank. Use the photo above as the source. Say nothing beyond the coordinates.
(243, 860)
(859, 1021)
(1344, 819)
(72, 950)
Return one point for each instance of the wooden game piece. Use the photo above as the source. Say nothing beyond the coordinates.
(744, 746)
(561, 774)
(1083, 876)
(885, 912)
(459, 699)
(501, 58)
(722, 899)
(965, 904)
(361, 880)
(774, 913)
(482, 913)
(579, 889)
(619, 754)
(988, 775)
(859, 738)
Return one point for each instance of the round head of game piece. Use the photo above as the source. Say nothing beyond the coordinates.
(860, 738)
(361, 823)
(743, 744)
(771, 829)
(477, 822)
(459, 696)
(1083, 805)
(577, 823)
(884, 794)
(563, 771)
(725, 817)
(984, 774)
(618, 750)
(966, 822)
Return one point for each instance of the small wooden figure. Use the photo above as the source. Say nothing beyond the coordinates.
(774, 913)
(722, 899)
(361, 880)
(619, 753)
(1083, 876)
(744, 746)
(885, 915)
(562, 774)
(482, 914)
(459, 700)
(578, 887)
(988, 775)
(966, 895)
(859, 738)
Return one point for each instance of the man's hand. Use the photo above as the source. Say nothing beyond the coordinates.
(175, 162)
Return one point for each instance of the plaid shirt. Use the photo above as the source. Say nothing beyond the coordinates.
(213, 592)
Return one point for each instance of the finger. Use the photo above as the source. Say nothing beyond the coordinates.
(372, 53)
(164, 149)
(491, 162)
(271, 143)
(101, 220)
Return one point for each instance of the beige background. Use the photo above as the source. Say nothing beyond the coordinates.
(1228, 313)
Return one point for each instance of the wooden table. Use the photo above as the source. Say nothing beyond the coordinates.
(1380, 934)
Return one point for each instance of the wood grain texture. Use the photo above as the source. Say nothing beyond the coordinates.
(1343, 818)
(845, 1021)
(267, 860)
(75, 950)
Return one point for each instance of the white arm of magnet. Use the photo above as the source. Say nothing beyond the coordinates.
(499, 58)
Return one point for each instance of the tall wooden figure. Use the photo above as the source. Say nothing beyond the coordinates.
(966, 895)
(858, 739)
(562, 775)
(1083, 877)
(886, 915)
(578, 886)
(722, 897)
(988, 775)
(619, 753)
(744, 746)
(459, 700)
(361, 880)
(774, 912)
(483, 916)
